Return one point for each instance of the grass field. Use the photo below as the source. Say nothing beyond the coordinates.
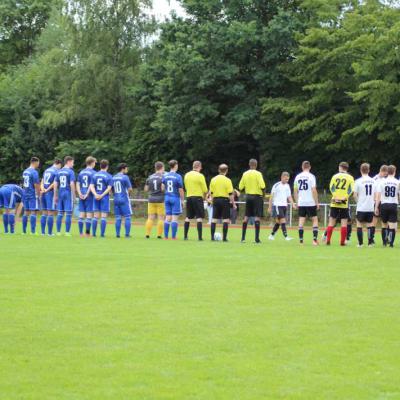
(150, 319)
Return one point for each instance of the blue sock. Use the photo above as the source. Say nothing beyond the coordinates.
(59, 222)
(128, 223)
(50, 223)
(118, 222)
(24, 223)
(5, 222)
(88, 225)
(166, 228)
(174, 228)
(80, 225)
(94, 226)
(68, 222)
(103, 226)
(11, 222)
(43, 222)
(33, 223)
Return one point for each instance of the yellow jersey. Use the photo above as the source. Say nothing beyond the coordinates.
(195, 184)
(252, 182)
(341, 187)
(221, 186)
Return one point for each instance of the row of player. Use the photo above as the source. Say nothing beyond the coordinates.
(55, 193)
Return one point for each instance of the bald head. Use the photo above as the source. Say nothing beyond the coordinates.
(223, 169)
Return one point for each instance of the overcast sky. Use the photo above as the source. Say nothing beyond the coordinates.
(162, 8)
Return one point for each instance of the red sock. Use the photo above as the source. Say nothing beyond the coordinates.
(329, 232)
(343, 235)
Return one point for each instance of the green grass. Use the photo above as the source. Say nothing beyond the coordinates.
(150, 319)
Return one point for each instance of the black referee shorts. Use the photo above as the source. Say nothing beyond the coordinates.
(194, 207)
(254, 206)
(389, 213)
(221, 208)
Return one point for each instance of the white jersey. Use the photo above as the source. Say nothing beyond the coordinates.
(365, 187)
(305, 183)
(389, 190)
(280, 193)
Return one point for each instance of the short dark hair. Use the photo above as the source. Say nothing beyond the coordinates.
(306, 165)
(90, 160)
(122, 166)
(365, 167)
(344, 165)
(391, 170)
(172, 163)
(68, 158)
(104, 164)
(253, 162)
(34, 160)
(158, 165)
(57, 161)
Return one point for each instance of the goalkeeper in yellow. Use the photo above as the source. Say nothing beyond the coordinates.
(341, 187)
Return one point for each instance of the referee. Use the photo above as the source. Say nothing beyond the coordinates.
(253, 184)
(222, 195)
(196, 189)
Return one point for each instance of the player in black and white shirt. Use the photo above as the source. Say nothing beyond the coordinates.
(306, 197)
(278, 202)
(388, 199)
(383, 172)
(364, 194)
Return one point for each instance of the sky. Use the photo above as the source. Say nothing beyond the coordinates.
(162, 8)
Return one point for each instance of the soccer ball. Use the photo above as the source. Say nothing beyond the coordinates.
(217, 236)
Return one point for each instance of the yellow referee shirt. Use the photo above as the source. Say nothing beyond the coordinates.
(252, 182)
(341, 187)
(195, 184)
(221, 186)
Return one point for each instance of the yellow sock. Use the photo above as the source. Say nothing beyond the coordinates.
(160, 227)
(149, 225)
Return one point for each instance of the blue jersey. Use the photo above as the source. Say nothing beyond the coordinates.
(85, 179)
(30, 177)
(49, 176)
(64, 178)
(101, 180)
(121, 186)
(172, 182)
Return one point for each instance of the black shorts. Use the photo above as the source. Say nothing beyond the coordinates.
(365, 217)
(194, 207)
(254, 206)
(221, 208)
(339, 213)
(310, 211)
(389, 213)
(279, 212)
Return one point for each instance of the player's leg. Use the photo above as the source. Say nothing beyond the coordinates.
(160, 219)
(174, 226)
(151, 216)
(4, 201)
(343, 231)
(81, 220)
(302, 219)
(258, 213)
(216, 217)
(88, 222)
(314, 220)
(105, 210)
(392, 233)
(118, 219)
(68, 214)
(277, 224)
(127, 213)
(190, 214)
(349, 228)
(96, 216)
(283, 216)
(226, 211)
(43, 217)
(25, 217)
(249, 212)
(168, 217)
(11, 212)
(360, 234)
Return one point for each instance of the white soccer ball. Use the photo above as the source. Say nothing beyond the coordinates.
(217, 236)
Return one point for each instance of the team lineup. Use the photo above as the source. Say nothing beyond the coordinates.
(377, 199)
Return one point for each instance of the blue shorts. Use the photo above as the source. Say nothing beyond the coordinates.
(8, 199)
(48, 203)
(65, 202)
(102, 205)
(31, 204)
(173, 206)
(86, 206)
(123, 209)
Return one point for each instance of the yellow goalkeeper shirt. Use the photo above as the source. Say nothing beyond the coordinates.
(341, 187)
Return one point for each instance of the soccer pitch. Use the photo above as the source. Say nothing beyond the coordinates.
(99, 318)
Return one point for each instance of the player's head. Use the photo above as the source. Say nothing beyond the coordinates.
(69, 161)
(104, 165)
(306, 166)
(364, 169)
(253, 163)
(391, 170)
(285, 176)
(90, 162)
(223, 169)
(57, 163)
(343, 166)
(383, 170)
(197, 166)
(123, 168)
(173, 165)
(159, 167)
(35, 162)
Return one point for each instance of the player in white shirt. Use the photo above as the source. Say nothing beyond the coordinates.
(278, 202)
(388, 199)
(364, 194)
(383, 172)
(306, 197)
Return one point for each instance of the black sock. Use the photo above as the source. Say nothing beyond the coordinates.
(349, 229)
(370, 234)
(200, 230)
(213, 226)
(244, 228)
(384, 236)
(257, 230)
(360, 236)
(315, 232)
(284, 231)
(275, 228)
(325, 233)
(225, 231)
(301, 233)
(392, 236)
(186, 228)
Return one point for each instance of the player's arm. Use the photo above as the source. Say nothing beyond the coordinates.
(242, 183)
(232, 195)
(42, 189)
(78, 190)
(37, 185)
(182, 195)
(270, 201)
(290, 200)
(378, 200)
(106, 192)
(146, 186)
(261, 183)
(204, 186)
(73, 189)
(55, 188)
(18, 209)
(296, 191)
